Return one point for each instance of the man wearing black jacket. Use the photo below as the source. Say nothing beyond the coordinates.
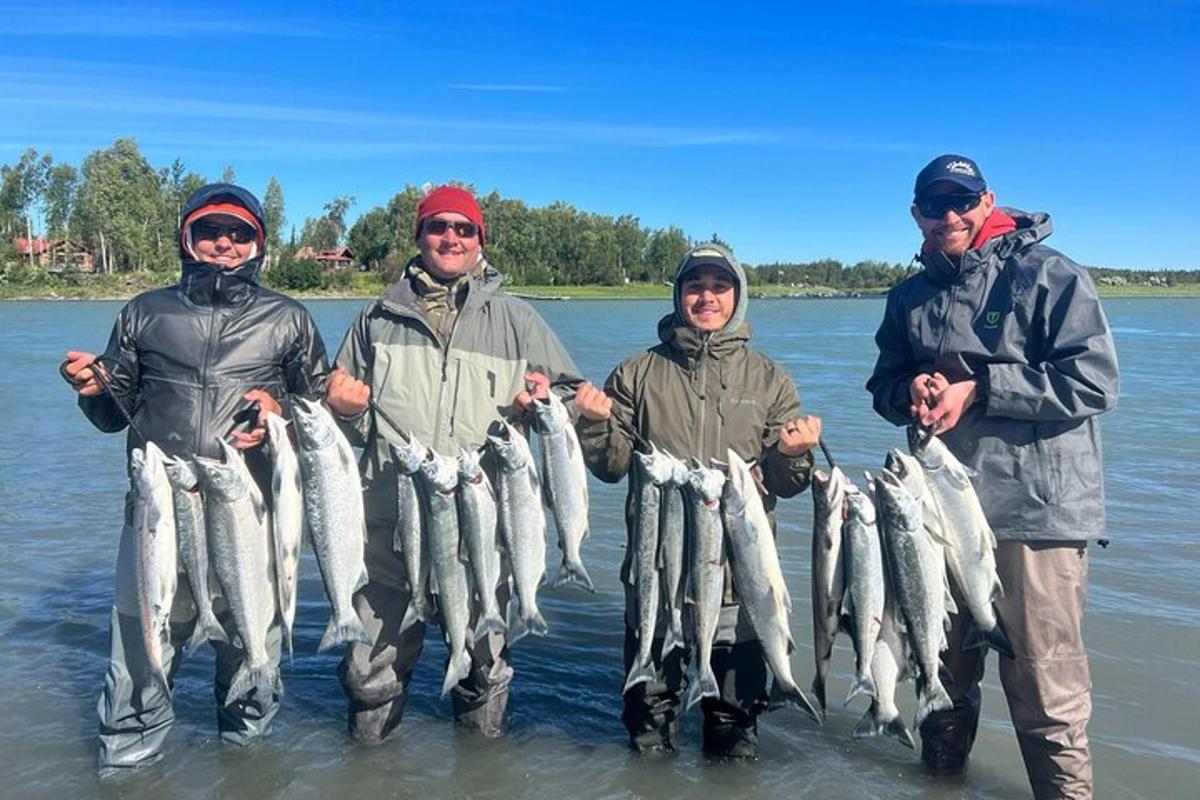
(186, 362)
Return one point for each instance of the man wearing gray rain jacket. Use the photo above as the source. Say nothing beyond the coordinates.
(1000, 345)
(185, 361)
(697, 394)
(443, 353)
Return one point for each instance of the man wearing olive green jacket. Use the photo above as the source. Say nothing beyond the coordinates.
(443, 353)
(697, 394)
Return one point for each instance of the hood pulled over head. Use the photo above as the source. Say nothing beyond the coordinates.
(714, 255)
(221, 198)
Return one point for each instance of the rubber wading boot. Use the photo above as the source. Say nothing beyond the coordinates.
(731, 741)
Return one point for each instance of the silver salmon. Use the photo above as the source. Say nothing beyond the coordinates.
(333, 508)
(564, 486)
(758, 579)
(287, 520)
(651, 470)
(156, 566)
(193, 550)
(522, 526)
(706, 583)
(863, 601)
(239, 541)
(407, 537)
(481, 540)
(828, 575)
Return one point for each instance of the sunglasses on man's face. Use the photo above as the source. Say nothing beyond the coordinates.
(211, 231)
(463, 230)
(936, 207)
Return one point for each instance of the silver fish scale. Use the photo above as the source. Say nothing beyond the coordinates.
(193, 549)
(407, 538)
(828, 570)
(565, 481)
(523, 527)
(240, 550)
(707, 579)
(864, 584)
(437, 482)
(477, 525)
(649, 472)
(156, 564)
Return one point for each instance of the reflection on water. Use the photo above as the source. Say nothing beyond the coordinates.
(60, 499)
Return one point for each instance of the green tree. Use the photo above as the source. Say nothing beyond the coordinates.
(229, 175)
(119, 209)
(664, 250)
(62, 187)
(22, 192)
(370, 238)
(273, 214)
(631, 240)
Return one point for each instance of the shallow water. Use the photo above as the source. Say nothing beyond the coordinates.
(61, 484)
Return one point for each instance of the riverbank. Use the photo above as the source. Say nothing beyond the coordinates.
(74, 286)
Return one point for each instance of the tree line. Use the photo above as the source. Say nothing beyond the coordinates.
(125, 211)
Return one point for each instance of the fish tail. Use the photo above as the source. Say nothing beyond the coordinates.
(996, 639)
(537, 624)
(818, 690)
(348, 630)
(573, 571)
(863, 684)
(490, 623)
(458, 669)
(640, 672)
(704, 686)
(673, 640)
(265, 679)
(872, 724)
(934, 698)
(794, 696)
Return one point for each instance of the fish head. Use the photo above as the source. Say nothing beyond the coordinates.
(470, 470)
(896, 502)
(511, 448)
(708, 484)
(440, 471)
(550, 413)
(859, 506)
(220, 478)
(408, 456)
(182, 474)
(655, 465)
(314, 424)
(908, 470)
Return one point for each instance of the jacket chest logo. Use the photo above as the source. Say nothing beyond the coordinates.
(991, 320)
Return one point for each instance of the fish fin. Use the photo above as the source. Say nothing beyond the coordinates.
(951, 606)
(996, 639)
(870, 725)
(490, 623)
(457, 669)
(265, 679)
(795, 697)
(705, 685)
(517, 629)
(199, 637)
(818, 690)
(997, 590)
(934, 698)
(537, 625)
(863, 684)
(640, 672)
(574, 572)
(673, 640)
(349, 630)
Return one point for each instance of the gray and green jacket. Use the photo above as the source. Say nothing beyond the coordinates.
(697, 395)
(445, 391)
(1025, 322)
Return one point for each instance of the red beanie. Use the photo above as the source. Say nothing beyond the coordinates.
(450, 198)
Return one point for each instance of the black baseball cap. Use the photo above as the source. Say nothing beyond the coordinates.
(953, 168)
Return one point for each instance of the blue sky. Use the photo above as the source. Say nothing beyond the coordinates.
(792, 131)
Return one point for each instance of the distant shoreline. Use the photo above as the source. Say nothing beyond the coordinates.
(119, 290)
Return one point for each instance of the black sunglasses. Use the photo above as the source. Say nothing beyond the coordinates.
(211, 231)
(936, 207)
(464, 230)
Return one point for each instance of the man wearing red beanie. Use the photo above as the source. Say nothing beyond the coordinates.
(442, 355)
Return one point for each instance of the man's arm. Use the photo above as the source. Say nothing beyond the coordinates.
(895, 368)
(122, 370)
(305, 367)
(606, 443)
(355, 357)
(1077, 376)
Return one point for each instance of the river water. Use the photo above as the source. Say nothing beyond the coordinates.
(61, 484)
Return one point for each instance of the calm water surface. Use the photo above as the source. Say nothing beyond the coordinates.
(61, 484)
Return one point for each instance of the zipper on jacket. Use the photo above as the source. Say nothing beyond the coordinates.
(941, 348)
(437, 425)
(204, 364)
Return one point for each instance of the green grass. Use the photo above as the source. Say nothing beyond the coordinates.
(38, 285)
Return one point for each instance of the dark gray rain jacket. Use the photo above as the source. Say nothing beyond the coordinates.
(181, 357)
(1026, 322)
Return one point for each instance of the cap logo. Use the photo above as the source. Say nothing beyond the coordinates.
(961, 168)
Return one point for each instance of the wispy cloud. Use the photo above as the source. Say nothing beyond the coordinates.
(508, 87)
(144, 21)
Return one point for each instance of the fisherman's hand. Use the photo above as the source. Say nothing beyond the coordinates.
(346, 395)
(539, 390)
(244, 440)
(799, 436)
(950, 404)
(593, 403)
(923, 393)
(80, 373)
